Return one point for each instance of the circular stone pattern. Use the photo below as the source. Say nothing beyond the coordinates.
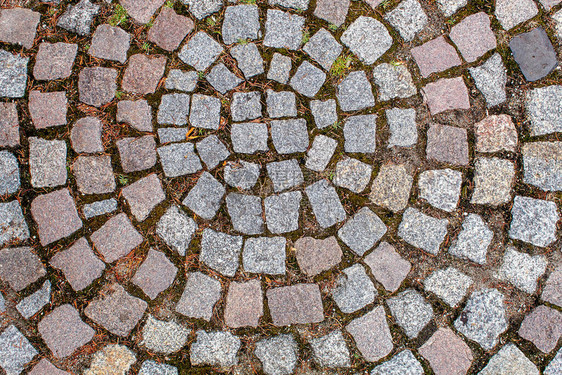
(280, 187)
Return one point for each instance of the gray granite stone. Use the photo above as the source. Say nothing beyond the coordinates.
(354, 289)
(241, 174)
(217, 348)
(110, 43)
(249, 59)
(542, 165)
(47, 162)
(54, 60)
(331, 350)
(493, 180)
(173, 109)
(169, 135)
(205, 112)
(9, 173)
(176, 229)
(150, 367)
(13, 75)
(249, 137)
(281, 104)
(165, 337)
(212, 151)
(450, 7)
(422, 231)
(179, 159)
(371, 334)
(473, 241)
(359, 133)
(355, 93)
(289, 136)
(308, 79)
(441, 188)
(299, 5)
(491, 78)
(264, 255)
(245, 106)
(449, 284)
(9, 123)
(201, 293)
(99, 208)
(323, 48)
(326, 204)
(533, 221)
(202, 8)
(408, 18)
(241, 22)
(181, 80)
(279, 68)
(285, 174)
(511, 359)
(282, 212)
(155, 274)
(534, 54)
(543, 110)
(319, 155)
(411, 311)
(362, 231)
(391, 188)
(97, 85)
(116, 238)
(206, 196)
(403, 363)
(324, 112)
(220, 251)
(2, 303)
(278, 354)
(245, 213)
(555, 366)
(78, 18)
(200, 51)
(20, 267)
(402, 126)
(367, 38)
(387, 266)
(295, 304)
(394, 81)
(33, 303)
(511, 13)
(283, 30)
(15, 350)
(352, 174)
(522, 270)
(222, 79)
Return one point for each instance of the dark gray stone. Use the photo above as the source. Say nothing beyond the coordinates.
(534, 54)
(179, 159)
(169, 135)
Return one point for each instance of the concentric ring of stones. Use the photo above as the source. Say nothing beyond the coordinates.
(366, 187)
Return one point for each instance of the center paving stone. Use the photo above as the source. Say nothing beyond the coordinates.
(280, 187)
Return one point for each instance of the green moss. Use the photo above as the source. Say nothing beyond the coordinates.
(305, 36)
(119, 16)
(341, 66)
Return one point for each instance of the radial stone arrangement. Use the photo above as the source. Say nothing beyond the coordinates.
(280, 187)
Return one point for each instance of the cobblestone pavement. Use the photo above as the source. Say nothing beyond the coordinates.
(280, 187)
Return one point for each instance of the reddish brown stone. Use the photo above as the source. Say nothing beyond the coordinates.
(473, 36)
(435, 56)
(94, 174)
(18, 26)
(244, 304)
(552, 291)
(45, 367)
(9, 125)
(143, 74)
(447, 144)
(54, 60)
(447, 353)
(495, 133)
(141, 10)
(169, 29)
(85, 135)
(387, 266)
(137, 154)
(296, 304)
(446, 94)
(315, 256)
(143, 195)
(56, 216)
(371, 334)
(19, 267)
(97, 86)
(155, 274)
(47, 108)
(543, 327)
(110, 43)
(116, 238)
(136, 113)
(333, 11)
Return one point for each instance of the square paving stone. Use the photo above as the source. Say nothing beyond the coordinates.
(473, 240)
(18, 26)
(176, 229)
(387, 266)
(44, 367)
(97, 86)
(116, 310)
(335, 12)
(265, 255)
(241, 174)
(55, 215)
(541, 165)
(355, 92)
(150, 367)
(13, 75)
(315, 256)
(174, 109)
(552, 290)
(110, 43)
(220, 251)
(94, 174)
(15, 350)
(402, 363)
(323, 48)
(112, 358)
(9, 173)
(533, 221)
(411, 311)
(441, 188)
(295, 304)
(308, 79)
(371, 334)
(12, 223)
(283, 30)
(394, 81)
(47, 108)
(324, 112)
(491, 78)
(205, 112)
(277, 354)
(179, 159)
(319, 155)
(144, 195)
(244, 304)
(511, 13)
(241, 22)
(331, 350)
(422, 231)
(534, 54)
(9, 123)
(181, 80)
(245, 213)
(245, 106)
(326, 204)
(249, 59)
(408, 18)
(449, 284)
(281, 104)
(116, 238)
(484, 318)
(136, 113)
(222, 79)
(169, 29)
(79, 264)
(447, 353)
(64, 331)
(435, 56)
(354, 289)
(141, 11)
(285, 174)
(367, 38)
(54, 60)
(522, 270)
(212, 151)
(450, 7)
(164, 337)
(20, 267)
(143, 74)
(206, 196)
(402, 126)
(217, 349)
(155, 274)
(447, 144)
(282, 212)
(279, 68)
(362, 231)
(78, 18)
(446, 94)
(493, 180)
(137, 154)
(496, 133)
(289, 136)
(200, 51)
(510, 358)
(543, 111)
(543, 327)
(199, 296)
(352, 174)
(473, 36)
(391, 188)
(359, 133)
(85, 135)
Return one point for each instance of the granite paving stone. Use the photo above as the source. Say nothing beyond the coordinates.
(315, 256)
(402, 363)
(54, 60)
(387, 266)
(408, 18)
(522, 270)
(143, 74)
(422, 231)
(555, 366)
(249, 59)
(552, 292)
(331, 350)
(278, 354)
(20, 267)
(534, 54)
(94, 174)
(323, 48)
(201, 8)
(171, 135)
(326, 204)
(447, 144)
(12, 223)
(335, 12)
(162, 336)
(241, 22)
(113, 358)
(181, 80)
(391, 188)
(496, 133)
(289, 136)
(435, 56)
(99, 208)
(473, 36)
(393, 81)
(78, 18)
(533, 221)
(200, 51)
(360, 134)
(491, 79)
(136, 113)
(215, 349)
(2, 303)
(449, 284)
(201, 293)
(245, 213)
(324, 112)
(447, 353)
(19, 26)
(174, 109)
(548, 4)
(281, 104)
(212, 151)
(86, 135)
(510, 358)
(282, 212)
(542, 109)
(298, 5)
(295, 304)
(150, 367)
(446, 94)
(176, 229)
(367, 38)
(355, 92)
(353, 289)
(362, 231)
(141, 11)
(44, 367)
(179, 159)
(245, 106)
(97, 86)
(450, 7)
(222, 79)
(308, 79)
(206, 196)
(264, 255)
(543, 327)
(169, 29)
(156, 274)
(221, 251)
(47, 108)
(283, 29)
(244, 304)
(371, 334)
(541, 165)
(511, 13)
(279, 68)
(13, 74)
(402, 126)
(441, 188)
(205, 112)
(110, 43)
(116, 238)
(284, 174)
(33, 303)
(137, 154)
(15, 350)
(320, 153)
(241, 174)
(411, 311)
(9, 123)
(493, 181)
(9, 173)
(144, 195)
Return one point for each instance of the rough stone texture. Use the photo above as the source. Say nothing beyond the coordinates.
(325, 203)
(315, 256)
(533, 221)
(449, 284)
(244, 304)
(13, 75)
(245, 213)
(495, 133)
(143, 74)
(47, 162)
(285, 174)
(9, 124)
(202, 8)
(164, 337)
(362, 231)
(44, 367)
(170, 135)
(283, 30)
(355, 92)
(484, 318)
(78, 18)
(335, 12)
(137, 154)
(55, 215)
(447, 353)
(391, 188)
(155, 274)
(510, 359)
(173, 109)
(9, 173)
(354, 289)
(408, 18)
(245, 106)
(289, 136)
(250, 137)
(176, 229)
(112, 359)
(85, 135)
(324, 112)
(169, 29)
(242, 175)
(555, 366)
(64, 331)
(181, 80)
(294, 4)
(220, 251)
(367, 38)
(323, 48)
(279, 68)
(473, 36)
(281, 104)
(403, 363)
(47, 108)
(264, 255)
(94, 174)
(212, 151)
(18, 26)
(534, 54)
(308, 79)
(371, 334)
(522, 270)
(278, 354)
(491, 78)
(411, 311)
(446, 94)
(473, 241)
(360, 134)
(116, 238)
(422, 231)
(493, 180)
(450, 7)
(99, 208)
(319, 155)
(20, 267)
(282, 212)
(543, 111)
(249, 59)
(141, 11)
(54, 60)
(511, 13)
(435, 56)
(79, 264)
(33, 303)
(215, 349)
(13, 227)
(542, 165)
(222, 79)
(543, 327)
(200, 51)
(179, 159)
(97, 86)
(199, 296)
(150, 367)
(352, 174)
(15, 350)
(387, 266)
(447, 144)
(205, 112)
(394, 81)
(136, 113)
(295, 304)
(441, 188)
(552, 290)
(144, 195)
(116, 310)
(331, 350)
(110, 43)
(240, 22)
(205, 197)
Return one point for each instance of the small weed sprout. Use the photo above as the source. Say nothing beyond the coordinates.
(119, 16)
(305, 36)
(332, 27)
(211, 21)
(169, 4)
(341, 66)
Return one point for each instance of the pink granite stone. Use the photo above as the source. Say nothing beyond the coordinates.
(244, 304)
(54, 60)
(116, 238)
(9, 125)
(496, 133)
(315, 256)
(446, 94)
(447, 353)
(371, 334)
(543, 327)
(155, 274)
(85, 135)
(435, 56)
(473, 36)
(141, 11)
(169, 29)
(333, 11)
(447, 144)
(387, 266)
(143, 74)
(295, 304)
(18, 25)
(144, 195)
(47, 108)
